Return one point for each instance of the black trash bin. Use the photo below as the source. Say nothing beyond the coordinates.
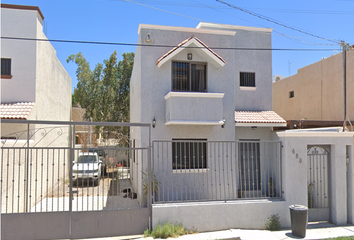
(298, 215)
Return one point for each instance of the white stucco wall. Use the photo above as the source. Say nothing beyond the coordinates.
(252, 214)
(295, 170)
(150, 83)
(259, 62)
(37, 74)
(260, 133)
(53, 84)
(21, 24)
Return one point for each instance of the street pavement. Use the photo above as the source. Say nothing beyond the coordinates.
(314, 231)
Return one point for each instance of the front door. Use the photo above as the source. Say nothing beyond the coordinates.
(317, 183)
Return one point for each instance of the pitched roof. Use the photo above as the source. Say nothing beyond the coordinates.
(184, 44)
(18, 110)
(249, 118)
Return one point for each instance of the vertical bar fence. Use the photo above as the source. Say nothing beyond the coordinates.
(201, 170)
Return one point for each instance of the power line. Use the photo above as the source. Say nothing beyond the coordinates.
(216, 9)
(276, 22)
(164, 10)
(179, 4)
(161, 45)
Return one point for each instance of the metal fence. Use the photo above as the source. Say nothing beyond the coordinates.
(317, 177)
(200, 170)
(43, 170)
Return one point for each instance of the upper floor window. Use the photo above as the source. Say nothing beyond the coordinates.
(5, 67)
(291, 94)
(189, 77)
(247, 79)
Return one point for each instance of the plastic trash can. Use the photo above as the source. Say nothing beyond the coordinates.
(298, 215)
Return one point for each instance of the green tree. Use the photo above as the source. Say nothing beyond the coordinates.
(104, 92)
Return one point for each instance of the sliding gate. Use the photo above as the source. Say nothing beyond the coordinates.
(64, 180)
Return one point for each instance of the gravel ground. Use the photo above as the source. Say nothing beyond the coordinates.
(111, 193)
(110, 185)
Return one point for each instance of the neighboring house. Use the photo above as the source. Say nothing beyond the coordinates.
(203, 90)
(34, 84)
(314, 96)
(83, 135)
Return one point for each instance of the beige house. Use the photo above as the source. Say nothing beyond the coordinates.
(314, 96)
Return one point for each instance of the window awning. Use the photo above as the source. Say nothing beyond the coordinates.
(18, 110)
(258, 119)
(197, 45)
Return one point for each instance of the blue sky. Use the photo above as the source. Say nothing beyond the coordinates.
(118, 21)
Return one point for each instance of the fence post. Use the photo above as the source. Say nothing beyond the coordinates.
(72, 145)
(27, 168)
(149, 195)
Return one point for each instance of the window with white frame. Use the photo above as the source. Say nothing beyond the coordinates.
(189, 154)
(247, 79)
(249, 165)
(189, 77)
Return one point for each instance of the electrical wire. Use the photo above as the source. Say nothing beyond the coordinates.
(161, 45)
(277, 22)
(164, 10)
(179, 4)
(215, 8)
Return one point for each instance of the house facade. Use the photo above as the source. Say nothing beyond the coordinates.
(313, 97)
(209, 101)
(34, 84)
(216, 161)
(195, 89)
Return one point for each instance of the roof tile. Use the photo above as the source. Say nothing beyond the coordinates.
(18, 110)
(258, 117)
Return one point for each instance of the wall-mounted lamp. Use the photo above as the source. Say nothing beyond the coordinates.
(254, 127)
(223, 125)
(154, 123)
(189, 56)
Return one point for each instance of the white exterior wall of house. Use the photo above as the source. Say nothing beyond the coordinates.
(23, 24)
(37, 74)
(259, 62)
(53, 85)
(149, 83)
(151, 96)
(38, 77)
(177, 117)
(252, 214)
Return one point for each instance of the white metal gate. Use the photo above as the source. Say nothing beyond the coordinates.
(53, 188)
(317, 183)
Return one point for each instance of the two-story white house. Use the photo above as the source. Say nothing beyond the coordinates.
(215, 161)
(199, 86)
(34, 84)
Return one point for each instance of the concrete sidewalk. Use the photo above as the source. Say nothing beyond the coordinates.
(314, 231)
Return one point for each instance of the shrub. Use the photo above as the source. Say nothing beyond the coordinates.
(273, 223)
(167, 230)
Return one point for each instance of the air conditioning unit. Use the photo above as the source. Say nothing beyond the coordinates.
(277, 78)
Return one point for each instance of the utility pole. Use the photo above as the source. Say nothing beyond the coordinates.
(344, 50)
